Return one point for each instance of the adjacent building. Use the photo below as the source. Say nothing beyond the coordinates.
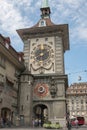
(38, 90)
(11, 64)
(77, 100)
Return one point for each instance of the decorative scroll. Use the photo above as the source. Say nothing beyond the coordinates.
(42, 68)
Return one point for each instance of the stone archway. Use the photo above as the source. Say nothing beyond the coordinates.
(40, 111)
(6, 114)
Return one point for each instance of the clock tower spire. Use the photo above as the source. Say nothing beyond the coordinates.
(45, 10)
(45, 3)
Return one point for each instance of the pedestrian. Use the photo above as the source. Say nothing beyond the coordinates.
(36, 122)
(69, 124)
(1, 122)
(39, 122)
(33, 122)
(76, 123)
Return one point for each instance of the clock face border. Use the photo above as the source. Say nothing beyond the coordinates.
(40, 51)
(41, 90)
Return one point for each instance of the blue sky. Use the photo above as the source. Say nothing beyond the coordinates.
(18, 14)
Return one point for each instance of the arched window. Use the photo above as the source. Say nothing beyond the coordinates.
(42, 23)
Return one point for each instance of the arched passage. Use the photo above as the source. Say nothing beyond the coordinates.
(40, 111)
(6, 114)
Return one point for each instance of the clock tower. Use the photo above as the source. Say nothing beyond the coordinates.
(44, 47)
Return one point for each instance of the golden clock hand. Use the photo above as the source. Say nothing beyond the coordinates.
(42, 47)
(41, 54)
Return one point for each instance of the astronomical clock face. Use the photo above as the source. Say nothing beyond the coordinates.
(42, 55)
(41, 90)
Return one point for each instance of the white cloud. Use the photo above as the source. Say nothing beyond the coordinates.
(72, 12)
(17, 14)
(19, 3)
(82, 33)
(11, 18)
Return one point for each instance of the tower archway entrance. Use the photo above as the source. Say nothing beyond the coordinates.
(6, 115)
(40, 114)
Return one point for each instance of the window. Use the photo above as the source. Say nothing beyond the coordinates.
(42, 23)
(72, 102)
(86, 101)
(1, 78)
(77, 108)
(72, 108)
(82, 107)
(7, 45)
(81, 101)
(2, 61)
(77, 99)
(86, 107)
(22, 108)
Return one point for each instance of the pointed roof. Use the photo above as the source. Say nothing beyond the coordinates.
(45, 10)
(45, 4)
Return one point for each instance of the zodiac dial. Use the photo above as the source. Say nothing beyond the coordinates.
(42, 55)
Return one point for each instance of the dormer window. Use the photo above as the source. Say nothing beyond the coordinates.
(7, 45)
(19, 58)
(42, 23)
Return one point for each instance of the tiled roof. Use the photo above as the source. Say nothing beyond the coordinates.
(48, 22)
(77, 88)
(6, 40)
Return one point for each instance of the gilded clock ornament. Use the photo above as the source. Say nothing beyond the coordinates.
(42, 55)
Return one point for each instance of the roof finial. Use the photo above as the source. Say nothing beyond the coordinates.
(45, 4)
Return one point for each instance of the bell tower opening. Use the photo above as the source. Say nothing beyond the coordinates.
(45, 10)
(40, 112)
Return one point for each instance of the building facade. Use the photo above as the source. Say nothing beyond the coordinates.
(11, 63)
(43, 84)
(36, 86)
(77, 100)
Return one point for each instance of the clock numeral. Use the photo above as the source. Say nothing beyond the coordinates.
(33, 44)
(31, 52)
(34, 48)
(32, 57)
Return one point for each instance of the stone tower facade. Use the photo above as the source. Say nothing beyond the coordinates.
(42, 90)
